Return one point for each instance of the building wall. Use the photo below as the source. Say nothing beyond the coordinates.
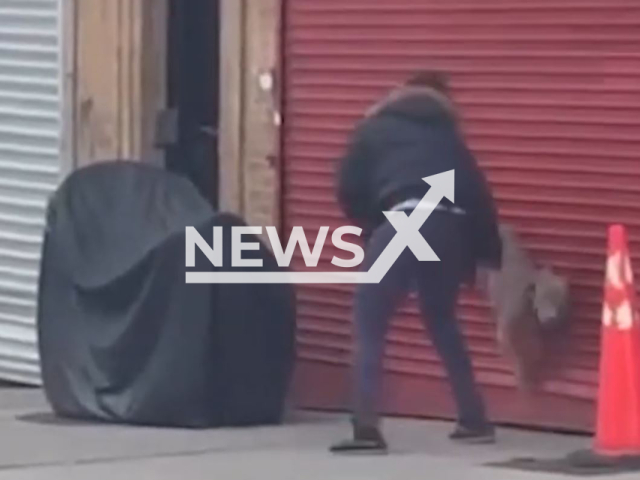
(119, 57)
(249, 108)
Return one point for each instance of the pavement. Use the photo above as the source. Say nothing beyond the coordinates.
(35, 446)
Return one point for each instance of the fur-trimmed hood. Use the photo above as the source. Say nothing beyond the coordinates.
(411, 134)
(420, 103)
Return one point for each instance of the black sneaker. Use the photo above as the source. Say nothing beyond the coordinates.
(365, 440)
(471, 436)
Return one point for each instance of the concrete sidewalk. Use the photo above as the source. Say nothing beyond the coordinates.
(33, 447)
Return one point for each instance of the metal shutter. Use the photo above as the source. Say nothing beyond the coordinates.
(550, 95)
(30, 123)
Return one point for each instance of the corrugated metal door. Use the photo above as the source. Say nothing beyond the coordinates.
(550, 95)
(30, 118)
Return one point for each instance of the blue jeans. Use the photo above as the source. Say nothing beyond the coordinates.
(437, 284)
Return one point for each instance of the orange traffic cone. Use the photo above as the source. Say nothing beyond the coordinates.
(618, 421)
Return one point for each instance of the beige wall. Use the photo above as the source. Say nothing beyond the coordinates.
(119, 59)
(118, 55)
(249, 134)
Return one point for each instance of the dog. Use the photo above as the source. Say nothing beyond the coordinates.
(528, 303)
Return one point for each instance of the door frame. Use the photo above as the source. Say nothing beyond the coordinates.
(68, 15)
(250, 134)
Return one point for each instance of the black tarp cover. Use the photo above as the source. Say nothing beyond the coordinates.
(123, 338)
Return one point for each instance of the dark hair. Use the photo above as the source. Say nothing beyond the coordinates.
(430, 78)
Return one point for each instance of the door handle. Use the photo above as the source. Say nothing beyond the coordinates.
(209, 131)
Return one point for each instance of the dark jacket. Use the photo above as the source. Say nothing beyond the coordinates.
(411, 135)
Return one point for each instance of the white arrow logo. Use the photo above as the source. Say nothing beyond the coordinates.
(407, 236)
